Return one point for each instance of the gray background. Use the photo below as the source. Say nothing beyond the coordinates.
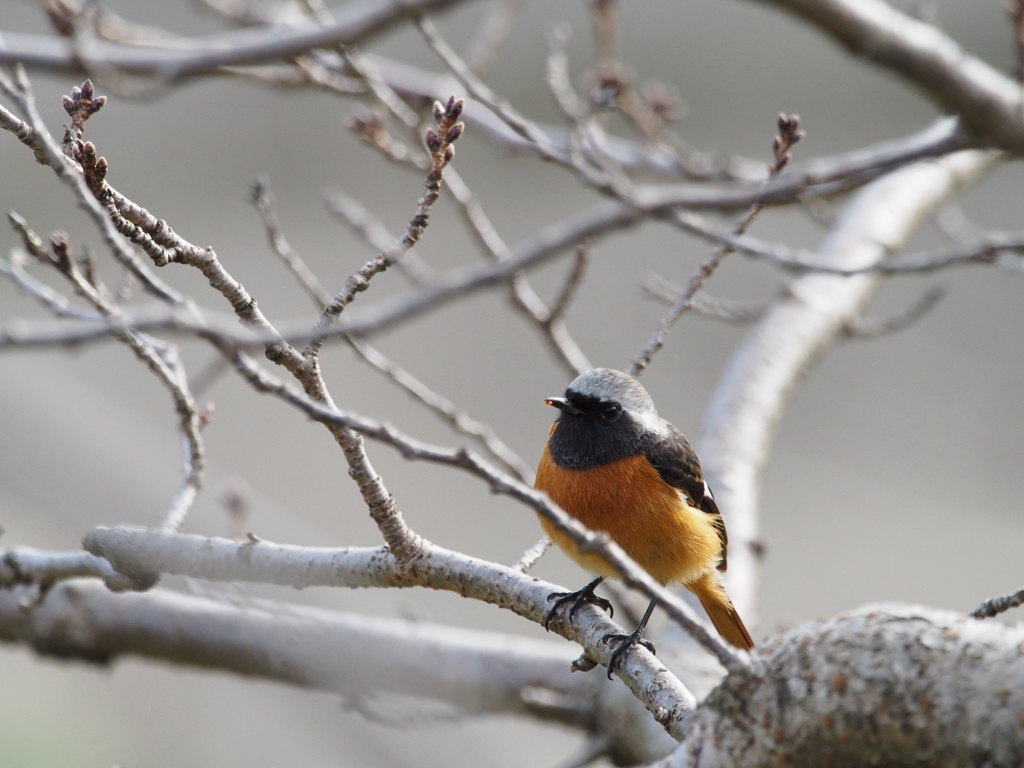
(896, 474)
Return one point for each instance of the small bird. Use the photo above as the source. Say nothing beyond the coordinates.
(615, 465)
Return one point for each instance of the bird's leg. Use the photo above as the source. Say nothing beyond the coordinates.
(636, 637)
(578, 598)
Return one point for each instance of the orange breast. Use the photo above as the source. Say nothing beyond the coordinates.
(646, 516)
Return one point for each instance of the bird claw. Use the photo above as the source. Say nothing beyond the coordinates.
(627, 642)
(578, 599)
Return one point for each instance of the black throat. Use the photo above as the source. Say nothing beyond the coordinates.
(584, 441)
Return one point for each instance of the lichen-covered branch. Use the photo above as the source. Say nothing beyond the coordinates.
(887, 684)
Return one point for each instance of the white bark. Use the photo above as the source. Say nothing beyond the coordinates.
(800, 327)
(986, 100)
(143, 555)
(888, 684)
(353, 655)
(884, 685)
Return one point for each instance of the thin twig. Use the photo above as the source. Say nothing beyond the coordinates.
(731, 311)
(445, 408)
(491, 34)
(458, 418)
(385, 94)
(532, 555)
(572, 282)
(376, 235)
(262, 198)
(789, 134)
(57, 303)
(525, 128)
(160, 357)
(986, 250)
(34, 134)
(524, 297)
(587, 140)
(996, 605)
(441, 150)
(872, 328)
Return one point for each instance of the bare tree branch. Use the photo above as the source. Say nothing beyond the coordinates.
(872, 328)
(532, 555)
(462, 281)
(739, 312)
(789, 134)
(139, 553)
(524, 298)
(987, 250)
(745, 410)
(353, 655)
(442, 151)
(988, 102)
(33, 132)
(996, 605)
(26, 566)
(263, 199)
(160, 357)
(827, 681)
(352, 23)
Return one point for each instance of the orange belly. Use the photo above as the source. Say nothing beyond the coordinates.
(647, 517)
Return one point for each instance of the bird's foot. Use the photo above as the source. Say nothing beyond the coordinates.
(626, 643)
(578, 598)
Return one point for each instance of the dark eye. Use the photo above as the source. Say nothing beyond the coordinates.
(610, 412)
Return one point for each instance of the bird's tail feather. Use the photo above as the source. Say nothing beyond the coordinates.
(720, 610)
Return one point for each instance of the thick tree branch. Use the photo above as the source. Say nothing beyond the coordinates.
(803, 325)
(905, 671)
(26, 566)
(356, 656)
(900, 685)
(141, 554)
(988, 102)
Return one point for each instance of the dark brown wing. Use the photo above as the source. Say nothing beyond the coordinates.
(676, 462)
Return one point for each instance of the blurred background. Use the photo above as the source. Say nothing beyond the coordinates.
(896, 474)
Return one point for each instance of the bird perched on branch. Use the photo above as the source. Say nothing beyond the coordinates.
(615, 465)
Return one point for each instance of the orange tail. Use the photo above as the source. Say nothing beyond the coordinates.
(716, 602)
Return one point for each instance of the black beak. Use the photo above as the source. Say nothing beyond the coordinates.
(563, 405)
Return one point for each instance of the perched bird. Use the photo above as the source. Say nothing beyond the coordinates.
(615, 465)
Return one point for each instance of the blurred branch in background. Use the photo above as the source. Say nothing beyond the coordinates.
(617, 147)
